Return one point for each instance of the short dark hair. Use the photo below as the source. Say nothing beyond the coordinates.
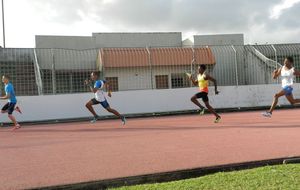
(6, 76)
(97, 73)
(290, 59)
(202, 66)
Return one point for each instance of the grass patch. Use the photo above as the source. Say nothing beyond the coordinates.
(264, 178)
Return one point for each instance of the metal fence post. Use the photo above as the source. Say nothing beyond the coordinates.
(150, 64)
(276, 59)
(37, 71)
(3, 24)
(192, 65)
(53, 73)
(236, 66)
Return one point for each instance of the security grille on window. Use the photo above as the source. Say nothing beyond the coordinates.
(113, 83)
(162, 81)
(47, 81)
(179, 80)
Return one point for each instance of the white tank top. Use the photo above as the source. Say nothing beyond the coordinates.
(287, 76)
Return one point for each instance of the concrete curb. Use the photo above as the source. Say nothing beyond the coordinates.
(170, 176)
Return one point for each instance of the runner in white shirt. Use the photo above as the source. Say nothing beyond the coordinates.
(287, 73)
(100, 98)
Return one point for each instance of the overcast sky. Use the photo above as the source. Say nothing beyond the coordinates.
(272, 21)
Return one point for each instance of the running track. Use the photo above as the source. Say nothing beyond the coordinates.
(47, 155)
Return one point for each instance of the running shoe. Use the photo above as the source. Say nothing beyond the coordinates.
(94, 119)
(202, 111)
(123, 120)
(217, 120)
(18, 126)
(18, 109)
(267, 114)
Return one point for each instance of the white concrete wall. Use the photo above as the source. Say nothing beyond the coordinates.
(37, 108)
(111, 40)
(169, 70)
(219, 39)
(66, 42)
(131, 78)
(139, 78)
(157, 39)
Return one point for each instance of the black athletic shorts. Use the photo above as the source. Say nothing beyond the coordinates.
(104, 104)
(202, 95)
(9, 107)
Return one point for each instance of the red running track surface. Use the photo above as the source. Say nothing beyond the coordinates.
(47, 155)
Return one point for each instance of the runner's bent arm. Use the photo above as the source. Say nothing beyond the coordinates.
(276, 73)
(108, 88)
(207, 77)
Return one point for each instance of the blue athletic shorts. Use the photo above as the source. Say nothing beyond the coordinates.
(104, 104)
(288, 90)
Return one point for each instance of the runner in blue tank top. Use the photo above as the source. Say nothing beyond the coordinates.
(12, 101)
(100, 98)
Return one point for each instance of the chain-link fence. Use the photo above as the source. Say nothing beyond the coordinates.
(61, 71)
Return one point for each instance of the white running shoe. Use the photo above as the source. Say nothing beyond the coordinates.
(94, 119)
(202, 111)
(267, 114)
(217, 120)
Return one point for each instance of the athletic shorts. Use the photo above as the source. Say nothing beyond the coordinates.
(104, 104)
(9, 107)
(202, 95)
(288, 90)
